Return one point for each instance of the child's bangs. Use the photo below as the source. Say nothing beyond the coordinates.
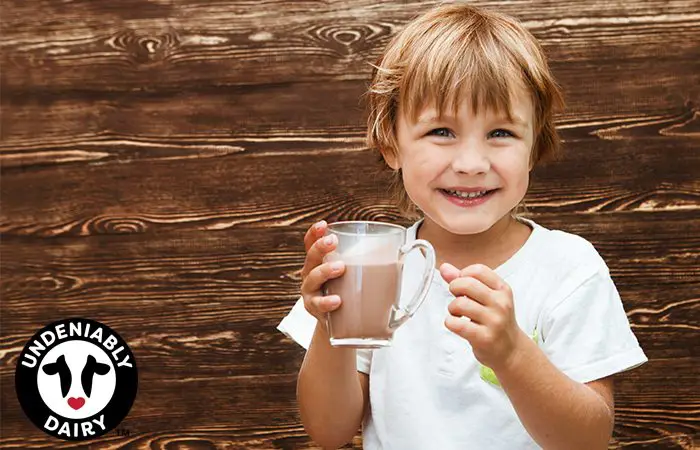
(451, 70)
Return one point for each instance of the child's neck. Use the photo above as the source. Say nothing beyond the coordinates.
(492, 247)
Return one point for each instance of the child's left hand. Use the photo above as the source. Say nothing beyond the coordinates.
(483, 313)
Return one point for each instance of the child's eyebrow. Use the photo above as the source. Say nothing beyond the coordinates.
(515, 120)
(431, 117)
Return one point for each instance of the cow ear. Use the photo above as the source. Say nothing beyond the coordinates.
(97, 367)
(52, 369)
(101, 369)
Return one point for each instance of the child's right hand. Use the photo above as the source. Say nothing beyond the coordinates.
(315, 272)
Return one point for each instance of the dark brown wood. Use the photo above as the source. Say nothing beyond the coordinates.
(161, 161)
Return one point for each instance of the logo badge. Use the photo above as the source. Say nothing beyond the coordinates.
(76, 379)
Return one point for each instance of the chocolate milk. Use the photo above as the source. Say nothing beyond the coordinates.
(367, 292)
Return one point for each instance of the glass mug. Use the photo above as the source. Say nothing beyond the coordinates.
(370, 287)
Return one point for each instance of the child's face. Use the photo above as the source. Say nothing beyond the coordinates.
(469, 152)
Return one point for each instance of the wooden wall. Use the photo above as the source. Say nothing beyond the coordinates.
(162, 159)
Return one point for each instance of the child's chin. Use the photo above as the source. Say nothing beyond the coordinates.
(466, 225)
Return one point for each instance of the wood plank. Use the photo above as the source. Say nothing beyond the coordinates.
(169, 118)
(220, 114)
(77, 45)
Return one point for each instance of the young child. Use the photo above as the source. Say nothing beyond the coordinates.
(523, 329)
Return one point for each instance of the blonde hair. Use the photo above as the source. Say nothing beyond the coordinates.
(453, 51)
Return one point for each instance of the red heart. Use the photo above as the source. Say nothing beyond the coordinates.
(76, 403)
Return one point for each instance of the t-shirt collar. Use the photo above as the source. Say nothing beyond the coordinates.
(522, 254)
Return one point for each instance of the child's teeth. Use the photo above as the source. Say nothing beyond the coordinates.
(468, 194)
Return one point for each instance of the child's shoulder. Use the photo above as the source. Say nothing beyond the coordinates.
(565, 250)
(561, 262)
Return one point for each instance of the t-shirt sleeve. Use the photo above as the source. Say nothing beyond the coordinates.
(299, 326)
(587, 335)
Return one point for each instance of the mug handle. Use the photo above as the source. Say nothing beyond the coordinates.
(400, 315)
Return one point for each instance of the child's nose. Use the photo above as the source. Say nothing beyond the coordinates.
(470, 158)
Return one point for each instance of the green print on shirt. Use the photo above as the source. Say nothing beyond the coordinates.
(488, 375)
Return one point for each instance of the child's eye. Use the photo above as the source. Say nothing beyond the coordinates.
(501, 133)
(442, 132)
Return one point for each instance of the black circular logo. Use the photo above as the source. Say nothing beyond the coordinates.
(76, 379)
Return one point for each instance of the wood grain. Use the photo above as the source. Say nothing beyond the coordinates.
(160, 162)
(185, 44)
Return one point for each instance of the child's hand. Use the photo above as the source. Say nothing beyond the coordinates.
(483, 313)
(315, 272)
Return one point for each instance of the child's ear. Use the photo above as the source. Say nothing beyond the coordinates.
(391, 159)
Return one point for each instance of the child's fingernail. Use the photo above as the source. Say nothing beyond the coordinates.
(328, 240)
(319, 225)
(336, 266)
(333, 300)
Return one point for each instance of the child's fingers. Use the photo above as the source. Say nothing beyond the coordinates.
(319, 276)
(314, 257)
(462, 326)
(469, 308)
(449, 272)
(322, 305)
(472, 288)
(484, 274)
(314, 232)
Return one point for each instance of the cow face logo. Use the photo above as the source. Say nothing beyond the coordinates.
(76, 379)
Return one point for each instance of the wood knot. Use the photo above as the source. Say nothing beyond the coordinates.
(115, 225)
(346, 39)
(145, 49)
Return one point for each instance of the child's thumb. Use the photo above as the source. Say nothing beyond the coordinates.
(449, 272)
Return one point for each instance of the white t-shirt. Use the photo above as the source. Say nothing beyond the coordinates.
(426, 390)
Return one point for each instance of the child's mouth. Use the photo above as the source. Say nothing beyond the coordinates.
(467, 199)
